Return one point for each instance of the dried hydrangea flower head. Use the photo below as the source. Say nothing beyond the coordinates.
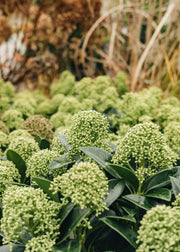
(159, 230)
(89, 128)
(38, 163)
(85, 184)
(28, 214)
(24, 146)
(8, 173)
(145, 150)
(13, 119)
(37, 125)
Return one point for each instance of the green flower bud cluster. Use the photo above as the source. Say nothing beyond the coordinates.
(4, 104)
(177, 201)
(24, 146)
(28, 96)
(83, 88)
(146, 146)
(57, 145)
(19, 133)
(159, 230)
(56, 101)
(28, 214)
(13, 119)
(41, 243)
(45, 108)
(89, 128)
(24, 107)
(37, 125)
(121, 82)
(38, 163)
(172, 134)
(4, 140)
(64, 85)
(60, 119)
(6, 89)
(8, 173)
(85, 184)
(3, 127)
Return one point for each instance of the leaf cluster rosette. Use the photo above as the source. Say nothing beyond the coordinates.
(144, 150)
(159, 230)
(29, 218)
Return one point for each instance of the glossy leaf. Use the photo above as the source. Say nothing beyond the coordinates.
(59, 163)
(121, 229)
(129, 218)
(99, 155)
(44, 184)
(19, 163)
(63, 140)
(140, 201)
(65, 210)
(160, 193)
(71, 222)
(43, 143)
(160, 179)
(175, 185)
(116, 187)
(119, 171)
(68, 246)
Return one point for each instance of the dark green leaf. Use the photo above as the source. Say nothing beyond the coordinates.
(121, 229)
(99, 155)
(44, 184)
(175, 185)
(68, 246)
(129, 218)
(140, 201)
(19, 163)
(116, 187)
(129, 211)
(119, 171)
(16, 248)
(160, 193)
(59, 163)
(65, 210)
(70, 223)
(43, 143)
(160, 179)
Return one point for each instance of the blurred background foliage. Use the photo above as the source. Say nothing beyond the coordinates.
(41, 38)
